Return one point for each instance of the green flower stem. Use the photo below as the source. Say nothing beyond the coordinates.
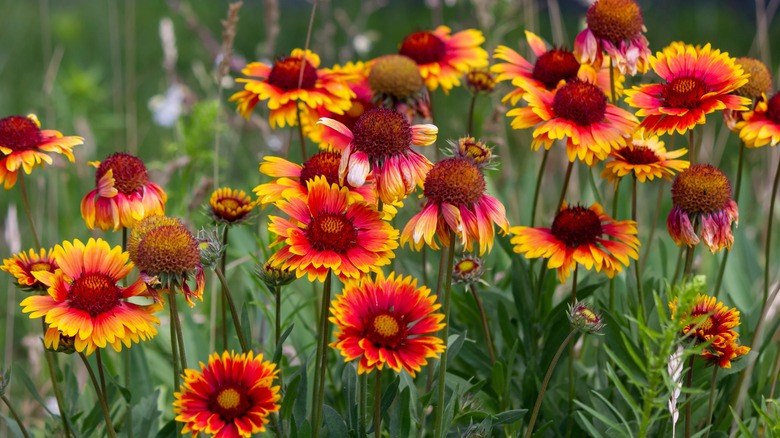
(546, 382)
(222, 305)
(127, 362)
(300, 128)
(485, 328)
(362, 404)
(440, 428)
(99, 359)
(678, 265)
(565, 185)
(615, 203)
(650, 236)
(689, 384)
(636, 262)
(470, 123)
(378, 404)
(768, 240)
(16, 417)
(570, 416)
(51, 360)
(612, 80)
(712, 400)
(101, 397)
(322, 359)
(688, 261)
(722, 269)
(227, 296)
(439, 286)
(174, 352)
(177, 330)
(278, 317)
(538, 187)
(28, 211)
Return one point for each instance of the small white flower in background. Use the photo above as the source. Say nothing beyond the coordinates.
(166, 109)
(362, 43)
(11, 234)
(675, 368)
(275, 143)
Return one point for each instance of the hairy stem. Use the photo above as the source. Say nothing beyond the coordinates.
(440, 427)
(16, 416)
(322, 359)
(227, 296)
(101, 397)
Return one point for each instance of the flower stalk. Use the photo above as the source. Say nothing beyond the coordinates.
(439, 423)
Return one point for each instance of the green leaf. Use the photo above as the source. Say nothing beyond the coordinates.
(349, 381)
(167, 431)
(388, 395)
(12, 426)
(20, 374)
(246, 327)
(497, 374)
(334, 422)
(146, 415)
(509, 417)
(282, 338)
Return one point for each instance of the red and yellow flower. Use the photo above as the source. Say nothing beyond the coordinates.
(443, 58)
(231, 397)
(380, 143)
(85, 299)
(327, 232)
(24, 145)
(698, 81)
(230, 206)
(282, 85)
(580, 235)
(124, 194)
(701, 195)
(24, 264)
(387, 321)
(579, 112)
(761, 126)
(646, 157)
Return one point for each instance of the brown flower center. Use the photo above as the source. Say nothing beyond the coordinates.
(286, 74)
(229, 402)
(423, 47)
(638, 155)
(129, 172)
(773, 109)
(386, 330)
(94, 294)
(331, 232)
(701, 188)
(382, 133)
(455, 181)
(577, 226)
(322, 164)
(615, 20)
(19, 133)
(395, 75)
(760, 81)
(684, 92)
(554, 66)
(168, 249)
(580, 102)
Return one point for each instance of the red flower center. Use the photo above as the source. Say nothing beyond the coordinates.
(455, 181)
(615, 20)
(229, 401)
(322, 164)
(331, 232)
(684, 92)
(701, 189)
(94, 294)
(386, 330)
(773, 109)
(423, 47)
(577, 226)
(168, 249)
(554, 66)
(19, 133)
(638, 155)
(129, 172)
(580, 102)
(382, 133)
(286, 74)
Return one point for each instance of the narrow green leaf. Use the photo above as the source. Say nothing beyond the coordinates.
(282, 338)
(146, 415)
(509, 417)
(21, 375)
(334, 422)
(246, 327)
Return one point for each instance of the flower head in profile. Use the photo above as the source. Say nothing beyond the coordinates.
(710, 321)
(583, 318)
(696, 81)
(380, 143)
(457, 203)
(579, 235)
(758, 86)
(646, 158)
(230, 206)
(232, 396)
(387, 321)
(701, 195)
(468, 270)
(480, 81)
(761, 126)
(443, 58)
(327, 232)
(282, 85)
(86, 301)
(617, 28)
(274, 276)
(167, 254)
(396, 83)
(22, 266)
(24, 145)
(124, 194)
(578, 112)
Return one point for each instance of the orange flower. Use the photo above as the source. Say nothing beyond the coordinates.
(761, 126)
(231, 397)
(387, 321)
(124, 194)
(230, 206)
(279, 85)
(328, 232)
(24, 145)
(646, 157)
(580, 235)
(698, 81)
(443, 58)
(23, 265)
(85, 300)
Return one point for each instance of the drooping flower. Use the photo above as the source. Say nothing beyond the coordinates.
(282, 85)
(230, 397)
(709, 320)
(167, 254)
(580, 235)
(443, 58)
(85, 299)
(24, 264)
(761, 126)
(387, 321)
(579, 112)
(230, 206)
(123, 196)
(646, 157)
(617, 28)
(697, 81)
(326, 232)
(701, 196)
(380, 143)
(24, 145)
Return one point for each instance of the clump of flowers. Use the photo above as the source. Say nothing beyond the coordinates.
(646, 158)
(23, 265)
(230, 206)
